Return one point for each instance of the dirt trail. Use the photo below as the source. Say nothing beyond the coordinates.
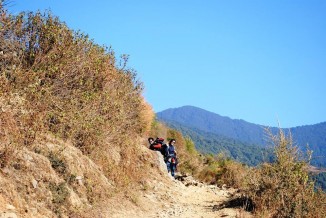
(198, 200)
(165, 197)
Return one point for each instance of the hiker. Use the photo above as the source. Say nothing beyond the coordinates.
(170, 157)
(155, 145)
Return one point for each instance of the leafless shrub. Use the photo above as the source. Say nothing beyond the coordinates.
(282, 188)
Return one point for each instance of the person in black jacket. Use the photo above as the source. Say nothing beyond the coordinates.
(170, 157)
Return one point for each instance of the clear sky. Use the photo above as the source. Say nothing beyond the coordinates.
(262, 61)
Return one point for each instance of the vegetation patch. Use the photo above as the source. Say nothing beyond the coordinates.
(57, 164)
(57, 81)
(59, 193)
(283, 188)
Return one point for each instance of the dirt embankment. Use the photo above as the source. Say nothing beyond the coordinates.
(27, 191)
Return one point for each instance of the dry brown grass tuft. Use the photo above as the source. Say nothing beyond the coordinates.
(10, 128)
(232, 174)
(279, 189)
(282, 189)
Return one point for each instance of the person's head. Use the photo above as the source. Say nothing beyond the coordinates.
(150, 140)
(172, 142)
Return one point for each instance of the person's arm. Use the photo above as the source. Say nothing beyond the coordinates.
(167, 151)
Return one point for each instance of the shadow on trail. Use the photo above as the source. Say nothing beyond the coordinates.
(239, 202)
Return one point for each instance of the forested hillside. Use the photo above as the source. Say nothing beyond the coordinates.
(206, 121)
(197, 119)
(209, 143)
(314, 137)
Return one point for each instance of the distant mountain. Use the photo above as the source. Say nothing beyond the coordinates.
(206, 121)
(315, 137)
(214, 144)
(199, 123)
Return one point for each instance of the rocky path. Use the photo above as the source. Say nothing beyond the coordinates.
(192, 199)
(165, 197)
(185, 198)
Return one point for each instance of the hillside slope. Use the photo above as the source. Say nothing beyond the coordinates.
(59, 181)
(68, 115)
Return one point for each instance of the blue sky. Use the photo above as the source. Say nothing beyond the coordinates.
(262, 61)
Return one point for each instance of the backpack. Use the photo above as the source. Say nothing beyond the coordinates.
(157, 144)
(163, 150)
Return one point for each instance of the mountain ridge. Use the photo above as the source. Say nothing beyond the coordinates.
(236, 119)
(246, 132)
(206, 121)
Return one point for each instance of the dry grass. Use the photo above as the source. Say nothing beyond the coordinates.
(279, 189)
(282, 188)
(57, 84)
(65, 84)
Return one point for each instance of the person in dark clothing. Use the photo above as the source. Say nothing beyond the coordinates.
(156, 145)
(170, 157)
